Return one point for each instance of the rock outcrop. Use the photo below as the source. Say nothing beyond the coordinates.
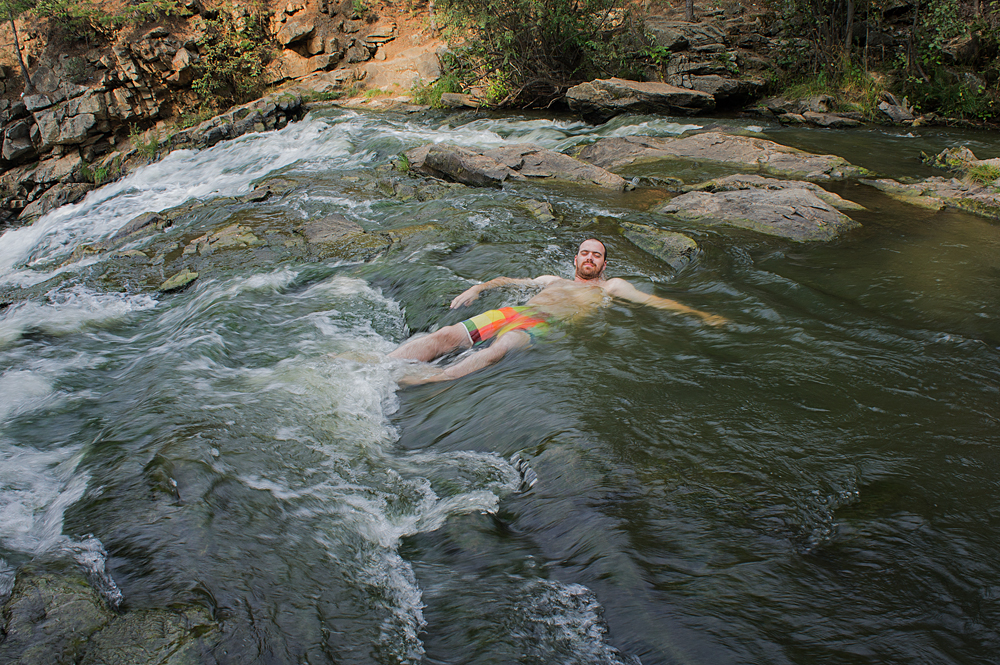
(600, 100)
(799, 211)
(34, 188)
(64, 137)
(739, 152)
(938, 193)
(491, 168)
(705, 56)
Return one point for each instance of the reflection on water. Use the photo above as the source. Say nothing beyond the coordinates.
(815, 482)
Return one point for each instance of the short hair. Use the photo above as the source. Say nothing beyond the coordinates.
(602, 245)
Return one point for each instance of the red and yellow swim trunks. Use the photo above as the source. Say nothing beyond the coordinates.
(497, 322)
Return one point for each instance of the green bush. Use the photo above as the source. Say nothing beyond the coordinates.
(85, 18)
(235, 50)
(528, 52)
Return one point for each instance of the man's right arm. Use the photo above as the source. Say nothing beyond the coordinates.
(469, 295)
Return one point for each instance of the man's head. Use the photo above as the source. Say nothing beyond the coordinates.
(590, 260)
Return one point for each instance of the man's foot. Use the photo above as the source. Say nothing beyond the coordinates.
(419, 375)
(359, 356)
(528, 475)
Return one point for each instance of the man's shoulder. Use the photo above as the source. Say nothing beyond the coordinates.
(548, 279)
(617, 284)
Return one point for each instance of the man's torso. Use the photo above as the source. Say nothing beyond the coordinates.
(565, 299)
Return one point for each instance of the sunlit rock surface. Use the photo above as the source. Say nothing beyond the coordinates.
(792, 210)
(742, 152)
(514, 162)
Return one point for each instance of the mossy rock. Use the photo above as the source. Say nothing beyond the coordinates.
(675, 249)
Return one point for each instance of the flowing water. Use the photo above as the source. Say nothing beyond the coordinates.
(816, 481)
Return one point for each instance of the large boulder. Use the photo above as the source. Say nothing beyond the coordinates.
(50, 616)
(793, 212)
(726, 91)
(714, 147)
(600, 100)
(532, 161)
(295, 30)
(741, 181)
(450, 162)
(17, 143)
(491, 168)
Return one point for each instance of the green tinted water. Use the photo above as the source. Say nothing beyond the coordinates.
(814, 482)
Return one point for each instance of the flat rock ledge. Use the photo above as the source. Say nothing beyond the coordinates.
(600, 100)
(741, 152)
(938, 193)
(740, 181)
(492, 168)
(792, 210)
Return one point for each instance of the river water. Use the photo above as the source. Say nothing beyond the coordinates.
(816, 481)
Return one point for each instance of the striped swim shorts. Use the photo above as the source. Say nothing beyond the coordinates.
(497, 322)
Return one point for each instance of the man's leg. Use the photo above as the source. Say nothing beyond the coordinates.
(516, 339)
(435, 345)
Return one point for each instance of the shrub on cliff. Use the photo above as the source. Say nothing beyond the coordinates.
(235, 49)
(528, 52)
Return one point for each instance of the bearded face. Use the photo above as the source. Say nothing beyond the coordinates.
(590, 260)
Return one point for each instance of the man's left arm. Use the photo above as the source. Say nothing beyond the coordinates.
(621, 289)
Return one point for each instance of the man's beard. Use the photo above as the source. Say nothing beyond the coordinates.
(588, 270)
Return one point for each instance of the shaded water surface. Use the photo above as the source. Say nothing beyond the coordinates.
(816, 481)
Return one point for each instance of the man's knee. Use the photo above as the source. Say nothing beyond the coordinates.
(454, 336)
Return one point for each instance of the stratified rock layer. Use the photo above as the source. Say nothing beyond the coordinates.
(740, 152)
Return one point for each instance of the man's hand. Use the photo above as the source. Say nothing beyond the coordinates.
(715, 320)
(466, 297)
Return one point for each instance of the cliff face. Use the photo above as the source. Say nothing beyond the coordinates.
(134, 85)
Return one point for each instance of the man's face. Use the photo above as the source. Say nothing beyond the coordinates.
(589, 260)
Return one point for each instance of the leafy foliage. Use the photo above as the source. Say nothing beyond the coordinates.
(527, 52)
(234, 52)
(942, 53)
(430, 94)
(86, 18)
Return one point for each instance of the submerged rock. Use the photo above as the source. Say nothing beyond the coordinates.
(540, 210)
(178, 281)
(729, 149)
(789, 210)
(600, 100)
(491, 168)
(329, 229)
(675, 249)
(50, 616)
(54, 615)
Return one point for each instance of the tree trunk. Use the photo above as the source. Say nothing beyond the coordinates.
(20, 58)
(689, 11)
(433, 18)
(849, 30)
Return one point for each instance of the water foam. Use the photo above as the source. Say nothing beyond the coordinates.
(28, 255)
(70, 310)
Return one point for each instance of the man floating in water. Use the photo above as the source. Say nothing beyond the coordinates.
(515, 327)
